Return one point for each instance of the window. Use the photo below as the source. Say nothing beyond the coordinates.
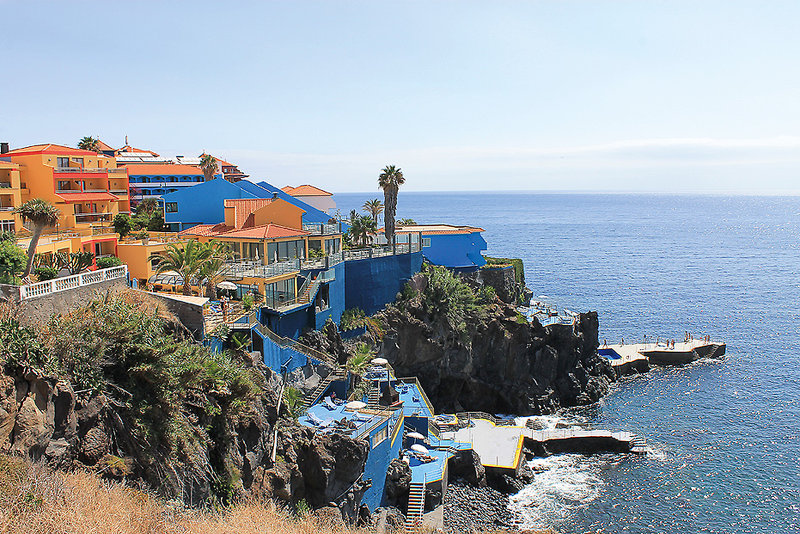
(79, 161)
(426, 241)
(380, 436)
(62, 162)
(63, 185)
(171, 207)
(6, 226)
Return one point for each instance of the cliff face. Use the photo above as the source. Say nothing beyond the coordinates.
(504, 365)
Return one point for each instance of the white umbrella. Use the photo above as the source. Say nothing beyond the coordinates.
(380, 361)
(419, 448)
(355, 405)
(415, 435)
(227, 285)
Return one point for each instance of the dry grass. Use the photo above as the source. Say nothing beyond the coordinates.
(35, 500)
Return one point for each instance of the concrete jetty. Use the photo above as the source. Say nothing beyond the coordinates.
(637, 357)
(501, 446)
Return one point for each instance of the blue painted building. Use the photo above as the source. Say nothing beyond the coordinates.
(203, 202)
(371, 283)
(154, 180)
(455, 247)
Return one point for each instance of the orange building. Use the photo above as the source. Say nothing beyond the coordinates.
(87, 188)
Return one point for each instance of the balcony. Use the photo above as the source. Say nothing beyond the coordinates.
(80, 170)
(83, 218)
(322, 229)
(6, 208)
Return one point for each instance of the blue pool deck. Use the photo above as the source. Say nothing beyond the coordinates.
(324, 419)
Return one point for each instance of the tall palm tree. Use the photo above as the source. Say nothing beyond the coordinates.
(209, 165)
(390, 180)
(41, 214)
(212, 269)
(374, 207)
(89, 143)
(186, 260)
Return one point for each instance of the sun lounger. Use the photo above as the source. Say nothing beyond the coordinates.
(328, 403)
(314, 420)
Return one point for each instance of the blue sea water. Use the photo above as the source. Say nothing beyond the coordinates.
(724, 435)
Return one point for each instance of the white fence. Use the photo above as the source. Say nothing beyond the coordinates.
(71, 282)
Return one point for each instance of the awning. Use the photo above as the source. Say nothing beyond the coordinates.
(86, 197)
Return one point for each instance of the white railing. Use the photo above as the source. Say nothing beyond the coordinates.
(81, 169)
(72, 282)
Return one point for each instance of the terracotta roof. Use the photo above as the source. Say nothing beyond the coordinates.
(436, 229)
(267, 231)
(134, 150)
(86, 197)
(102, 146)
(206, 230)
(305, 190)
(50, 149)
(162, 169)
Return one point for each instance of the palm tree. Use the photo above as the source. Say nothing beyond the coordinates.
(89, 143)
(390, 180)
(374, 207)
(212, 269)
(186, 260)
(361, 227)
(41, 214)
(209, 165)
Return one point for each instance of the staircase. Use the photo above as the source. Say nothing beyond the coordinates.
(373, 399)
(638, 444)
(309, 291)
(316, 393)
(214, 319)
(416, 506)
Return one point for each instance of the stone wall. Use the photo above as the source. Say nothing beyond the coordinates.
(191, 315)
(40, 309)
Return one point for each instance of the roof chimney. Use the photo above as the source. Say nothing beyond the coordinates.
(3, 148)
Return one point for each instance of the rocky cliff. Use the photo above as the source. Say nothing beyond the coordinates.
(484, 356)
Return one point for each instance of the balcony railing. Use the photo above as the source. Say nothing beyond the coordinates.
(5, 185)
(321, 229)
(379, 252)
(6, 208)
(92, 217)
(255, 269)
(85, 170)
(72, 282)
(325, 262)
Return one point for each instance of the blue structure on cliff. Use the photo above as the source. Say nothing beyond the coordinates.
(456, 247)
(203, 203)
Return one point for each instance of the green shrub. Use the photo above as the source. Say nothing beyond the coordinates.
(122, 224)
(21, 347)
(519, 267)
(45, 273)
(315, 253)
(12, 262)
(352, 318)
(247, 302)
(108, 261)
(359, 361)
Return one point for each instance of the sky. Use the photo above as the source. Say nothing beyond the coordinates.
(600, 95)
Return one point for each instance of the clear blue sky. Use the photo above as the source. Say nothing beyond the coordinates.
(600, 95)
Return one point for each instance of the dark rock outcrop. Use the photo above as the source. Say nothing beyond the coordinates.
(319, 468)
(398, 484)
(504, 365)
(466, 464)
(327, 340)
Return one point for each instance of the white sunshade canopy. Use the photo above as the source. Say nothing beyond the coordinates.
(227, 285)
(415, 435)
(355, 405)
(380, 361)
(419, 448)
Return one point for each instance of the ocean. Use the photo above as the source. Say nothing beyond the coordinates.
(724, 446)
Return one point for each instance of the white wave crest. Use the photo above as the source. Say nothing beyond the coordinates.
(561, 483)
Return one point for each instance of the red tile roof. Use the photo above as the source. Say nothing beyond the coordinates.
(162, 169)
(435, 229)
(305, 190)
(50, 149)
(134, 150)
(206, 230)
(267, 231)
(86, 197)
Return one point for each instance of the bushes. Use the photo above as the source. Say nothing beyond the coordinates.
(45, 273)
(12, 262)
(519, 267)
(108, 261)
(353, 318)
